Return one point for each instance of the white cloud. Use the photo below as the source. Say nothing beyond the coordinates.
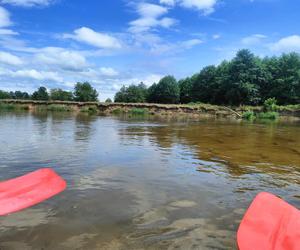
(8, 32)
(151, 10)
(216, 36)
(27, 3)
(33, 74)
(253, 39)
(96, 39)
(150, 17)
(287, 44)
(173, 48)
(168, 2)
(106, 71)
(4, 18)
(10, 59)
(191, 43)
(205, 6)
(63, 58)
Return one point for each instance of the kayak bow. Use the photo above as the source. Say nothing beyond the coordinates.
(29, 190)
(270, 224)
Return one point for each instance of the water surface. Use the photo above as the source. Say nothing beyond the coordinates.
(144, 184)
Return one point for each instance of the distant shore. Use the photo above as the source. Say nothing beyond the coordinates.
(194, 110)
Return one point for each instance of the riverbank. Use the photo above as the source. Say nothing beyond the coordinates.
(195, 110)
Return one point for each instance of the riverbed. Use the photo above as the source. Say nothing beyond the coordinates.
(137, 183)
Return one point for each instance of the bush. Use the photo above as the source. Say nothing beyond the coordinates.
(53, 108)
(270, 105)
(268, 115)
(90, 110)
(138, 111)
(117, 111)
(9, 106)
(249, 115)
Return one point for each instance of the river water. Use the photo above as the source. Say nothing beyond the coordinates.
(135, 183)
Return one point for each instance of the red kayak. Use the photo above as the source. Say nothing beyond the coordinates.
(270, 224)
(28, 190)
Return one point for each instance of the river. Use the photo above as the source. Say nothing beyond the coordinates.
(136, 183)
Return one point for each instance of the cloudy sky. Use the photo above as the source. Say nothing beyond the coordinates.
(111, 43)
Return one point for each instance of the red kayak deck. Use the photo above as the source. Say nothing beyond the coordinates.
(28, 190)
(270, 224)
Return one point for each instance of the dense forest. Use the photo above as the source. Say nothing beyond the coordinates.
(245, 80)
(83, 92)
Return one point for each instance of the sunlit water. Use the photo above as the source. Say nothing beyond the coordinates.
(144, 184)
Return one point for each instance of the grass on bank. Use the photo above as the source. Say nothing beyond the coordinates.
(54, 108)
(89, 110)
(133, 111)
(139, 111)
(13, 107)
(251, 116)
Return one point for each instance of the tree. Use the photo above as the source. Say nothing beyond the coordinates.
(185, 86)
(21, 95)
(132, 94)
(204, 85)
(166, 91)
(286, 79)
(244, 73)
(61, 95)
(41, 94)
(4, 95)
(108, 100)
(84, 92)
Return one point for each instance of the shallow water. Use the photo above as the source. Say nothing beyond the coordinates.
(144, 184)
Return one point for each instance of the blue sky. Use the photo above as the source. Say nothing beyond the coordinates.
(111, 43)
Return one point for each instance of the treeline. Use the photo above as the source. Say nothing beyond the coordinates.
(245, 80)
(83, 92)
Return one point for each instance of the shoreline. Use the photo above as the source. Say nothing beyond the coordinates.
(195, 110)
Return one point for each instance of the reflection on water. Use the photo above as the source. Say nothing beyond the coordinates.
(144, 184)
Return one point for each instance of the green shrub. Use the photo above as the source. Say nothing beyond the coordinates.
(270, 105)
(59, 108)
(249, 115)
(117, 111)
(11, 106)
(54, 108)
(90, 110)
(268, 115)
(138, 111)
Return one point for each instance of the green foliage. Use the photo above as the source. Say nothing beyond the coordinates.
(245, 80)
(61, 95)
(117, 111)
(249, 115)
(19, 95)
(132, 94)
(268, 115)
(185, 86)
(139, 111)
(59, 108)
(270, 105)
(166, 91)
(41, 94)
(108, 100)
(203, 83)
(4, 95)
(14, 95)
(12, 106)
(84, 92)
(89, 109)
